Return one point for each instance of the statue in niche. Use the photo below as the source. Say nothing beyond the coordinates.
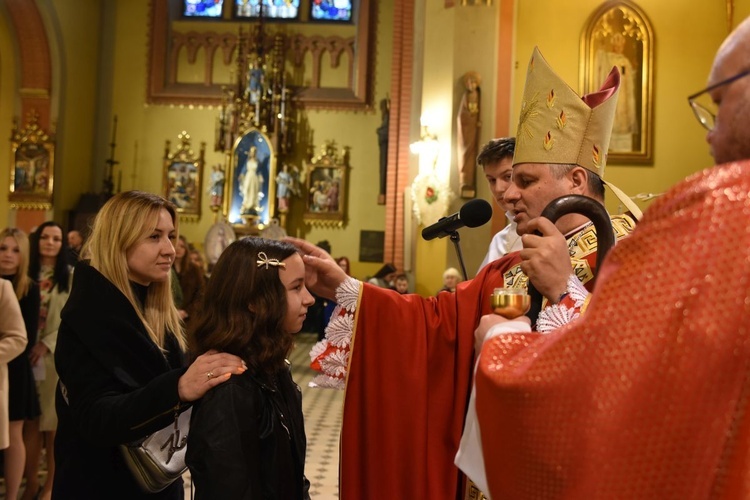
(250, 184)
(287, 184)
(382, 131)
(216, 186)
(469, 128)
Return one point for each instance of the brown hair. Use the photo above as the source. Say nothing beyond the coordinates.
(339, 260)
(245, 306)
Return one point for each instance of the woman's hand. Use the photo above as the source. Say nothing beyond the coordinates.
(322, 274)
(207, 371)
(37, 353)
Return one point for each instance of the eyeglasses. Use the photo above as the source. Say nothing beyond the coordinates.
(706, 113)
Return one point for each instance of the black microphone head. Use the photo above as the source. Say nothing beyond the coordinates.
(475, 213)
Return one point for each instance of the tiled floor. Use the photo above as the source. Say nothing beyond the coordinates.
(322, 409)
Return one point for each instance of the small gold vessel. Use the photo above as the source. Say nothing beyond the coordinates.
(510, 302)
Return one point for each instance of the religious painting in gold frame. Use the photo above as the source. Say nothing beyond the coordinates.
(32, 166)
(619, 34)
(250, 203)
(326, 184)
(183, 176)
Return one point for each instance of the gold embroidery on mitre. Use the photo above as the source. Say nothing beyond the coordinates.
(551, 99)
(549, 141)
(561, 120)
(595, 156)
(528, 111)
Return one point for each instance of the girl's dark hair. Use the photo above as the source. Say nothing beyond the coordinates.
(61, 272)
(244, 307)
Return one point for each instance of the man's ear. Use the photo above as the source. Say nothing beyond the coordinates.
(579, 179)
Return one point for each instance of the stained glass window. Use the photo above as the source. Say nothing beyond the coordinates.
(272, 9)
(331, 10)
(203, 8)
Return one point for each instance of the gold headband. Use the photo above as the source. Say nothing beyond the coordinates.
(263, 260)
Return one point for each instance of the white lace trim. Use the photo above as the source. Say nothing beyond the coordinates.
(347, 294)
(334, 364)
(325, 382)
(340, 328)
(556, 315)
(332, 353)
(318, 349)
(576, 289)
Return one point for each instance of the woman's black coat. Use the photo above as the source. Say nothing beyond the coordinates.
(119, 386)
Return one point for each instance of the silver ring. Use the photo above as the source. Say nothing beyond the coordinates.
(209, 375)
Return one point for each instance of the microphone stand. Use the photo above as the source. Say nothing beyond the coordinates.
(456, 239)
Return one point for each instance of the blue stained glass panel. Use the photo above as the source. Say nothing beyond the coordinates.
(331, 10)
(272, 9)
(203, 8)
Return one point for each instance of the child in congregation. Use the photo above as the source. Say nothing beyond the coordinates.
(401, 284)
(247, 436)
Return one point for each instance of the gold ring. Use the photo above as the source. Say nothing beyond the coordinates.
(209, 375)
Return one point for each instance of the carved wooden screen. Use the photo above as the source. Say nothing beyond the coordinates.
(328, 65)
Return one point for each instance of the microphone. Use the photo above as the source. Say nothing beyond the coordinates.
(473, 214)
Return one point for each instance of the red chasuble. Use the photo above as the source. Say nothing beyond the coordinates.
(648, 395)
(410, 375)
(407, 389)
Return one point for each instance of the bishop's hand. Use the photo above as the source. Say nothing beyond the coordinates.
(546, 259)
(322, 274)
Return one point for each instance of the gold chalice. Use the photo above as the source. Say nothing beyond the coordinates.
(510, 302)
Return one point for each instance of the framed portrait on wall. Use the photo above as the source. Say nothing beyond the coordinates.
(327, 188)
(183, 171)
(618, 34)
(251, 198)
(32, 167)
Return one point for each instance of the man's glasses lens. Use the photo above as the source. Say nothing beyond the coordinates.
(704, 107)
(704, 112)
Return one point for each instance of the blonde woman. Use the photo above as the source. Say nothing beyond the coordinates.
(48, 265)
(120, 351)
(23, 403)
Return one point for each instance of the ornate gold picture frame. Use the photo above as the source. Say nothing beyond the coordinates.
(32, 171)
(327, 188)
(183, 177)
(251, 200)
(619, 34)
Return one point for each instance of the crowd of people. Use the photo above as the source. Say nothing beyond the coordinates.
(589, 400)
